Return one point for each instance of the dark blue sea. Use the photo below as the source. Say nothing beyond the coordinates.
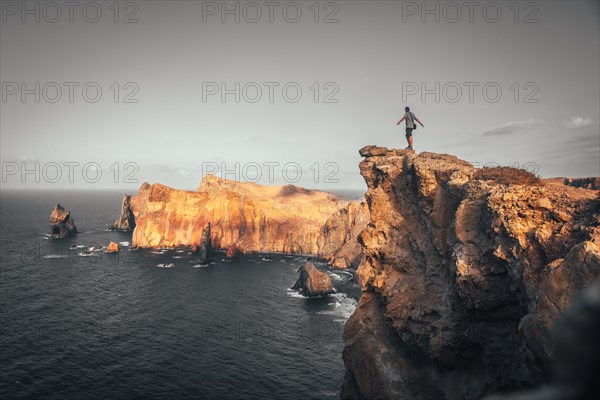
(153, 324)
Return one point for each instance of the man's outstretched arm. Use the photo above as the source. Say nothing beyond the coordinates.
(417, 119)
(403, 118)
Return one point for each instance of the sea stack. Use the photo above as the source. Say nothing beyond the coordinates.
(126, 221)
(61, 223)
(204, 249)
(113, 247)
(313, 282)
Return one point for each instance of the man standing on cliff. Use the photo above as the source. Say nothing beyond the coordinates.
(410, 126)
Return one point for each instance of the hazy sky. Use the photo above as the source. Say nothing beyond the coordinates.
(544, 56)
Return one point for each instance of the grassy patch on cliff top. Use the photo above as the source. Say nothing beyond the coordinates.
(508, 176)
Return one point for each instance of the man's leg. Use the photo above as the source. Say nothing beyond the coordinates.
(409, 138)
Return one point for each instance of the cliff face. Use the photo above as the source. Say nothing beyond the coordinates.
(126, 220)
(247, 216)
(463, 278)
(338, 238)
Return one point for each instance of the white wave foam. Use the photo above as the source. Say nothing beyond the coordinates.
(87, 254)
(295, 294)
(200, 266)
(170, 265)
(125, 244)
(343, 307)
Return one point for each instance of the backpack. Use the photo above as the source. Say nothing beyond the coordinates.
(412, 119)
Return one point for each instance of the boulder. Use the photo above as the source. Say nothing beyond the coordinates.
(113, 247)
(313, 282)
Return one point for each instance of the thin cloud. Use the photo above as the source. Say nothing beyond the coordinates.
(512, 127)
(577, 123)
(581, 145)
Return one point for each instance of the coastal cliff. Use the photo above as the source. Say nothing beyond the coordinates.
(338, 239)
(465, 273)
(243, 216)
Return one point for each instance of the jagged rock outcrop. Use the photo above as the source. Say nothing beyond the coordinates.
(126, 220)
(587, 183)
(313, 282)
(61, 223)
(252, 217)
(463, 278)
(338, 242)
(113, 247)
(204, 249)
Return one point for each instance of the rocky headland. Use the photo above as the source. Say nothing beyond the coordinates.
(465, 274)
(243, 217)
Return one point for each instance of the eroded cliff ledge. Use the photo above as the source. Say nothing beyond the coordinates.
(463, 278)
(243, 216)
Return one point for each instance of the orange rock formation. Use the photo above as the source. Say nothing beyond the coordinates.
(248, 216)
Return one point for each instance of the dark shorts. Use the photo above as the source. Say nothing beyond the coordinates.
(409, 131)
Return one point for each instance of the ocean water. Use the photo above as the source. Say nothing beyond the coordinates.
(153, 324)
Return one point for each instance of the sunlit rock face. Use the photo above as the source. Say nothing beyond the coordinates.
(245, 216)
(337, 240)
(126, 220)
(61, 223)
(113, 247)
(463, 278)
(313, 282)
